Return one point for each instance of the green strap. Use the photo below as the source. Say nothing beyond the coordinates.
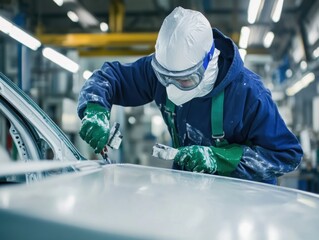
(170, 111)
(217, 114)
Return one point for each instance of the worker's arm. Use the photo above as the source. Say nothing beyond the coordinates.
(131, 84)
(115, 83)
(271, 149)
(274, 150)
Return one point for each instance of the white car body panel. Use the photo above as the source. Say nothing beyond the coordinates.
(135, 202)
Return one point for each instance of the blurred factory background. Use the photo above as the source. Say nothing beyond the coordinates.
(50, 47)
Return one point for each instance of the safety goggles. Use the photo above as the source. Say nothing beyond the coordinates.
(185, 80)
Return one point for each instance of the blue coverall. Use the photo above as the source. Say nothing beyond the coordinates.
(251, 118)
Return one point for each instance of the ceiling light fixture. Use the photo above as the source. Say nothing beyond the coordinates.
(288, 73)
(253, 9)
(58, 2)
(18, 34)
(244, 37)
(87, 74)
(86, 19)
(276, 11)
(73, 16)
(303, 65)
(242, 53)
(268, 39)
(60, 59)
(5, 25)
(132, 120)
(304, 82)
(104, 27)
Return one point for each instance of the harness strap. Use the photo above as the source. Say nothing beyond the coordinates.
(217, 114)
(170, 113)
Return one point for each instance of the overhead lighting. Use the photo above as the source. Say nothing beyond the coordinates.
(268, 39)
(24, 38)
(18, 34)
(73, 16)
(5, 25)
(253, 9)
(244, 37)
(303, 65)
(87, 74)
(276, 11)
(60, 59)
(288, 73)
(59, 2)
(316, 52)
(242, 53)
(132, 120)
(86, 19)
(104, 27)
(304, 82)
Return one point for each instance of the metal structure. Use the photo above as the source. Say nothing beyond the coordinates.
(99, 44)
(145, 17)
(31, 127)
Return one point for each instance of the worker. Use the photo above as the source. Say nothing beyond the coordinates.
(219, 114)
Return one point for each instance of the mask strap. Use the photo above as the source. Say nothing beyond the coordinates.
(209, 55)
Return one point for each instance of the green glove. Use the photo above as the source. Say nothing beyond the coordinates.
(227, 157)
(95, 129)
(209, 159)
(196, 159)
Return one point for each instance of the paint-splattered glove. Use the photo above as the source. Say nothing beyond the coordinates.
(95, 129)
(209, 159)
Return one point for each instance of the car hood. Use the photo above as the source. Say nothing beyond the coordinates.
(137, 202)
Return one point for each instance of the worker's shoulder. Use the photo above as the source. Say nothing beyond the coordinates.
(247, 87)
(248, 81)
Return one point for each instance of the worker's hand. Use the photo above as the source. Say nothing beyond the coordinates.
(95, 129)
(209, 159)
(196, 159)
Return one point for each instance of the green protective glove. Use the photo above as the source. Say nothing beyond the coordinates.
(95, 129)
(228, 157)
(209, 159)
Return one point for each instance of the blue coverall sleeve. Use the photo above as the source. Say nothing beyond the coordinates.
(274, 150)
(122, 84)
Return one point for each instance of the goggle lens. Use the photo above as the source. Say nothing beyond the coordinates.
(185, 83)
